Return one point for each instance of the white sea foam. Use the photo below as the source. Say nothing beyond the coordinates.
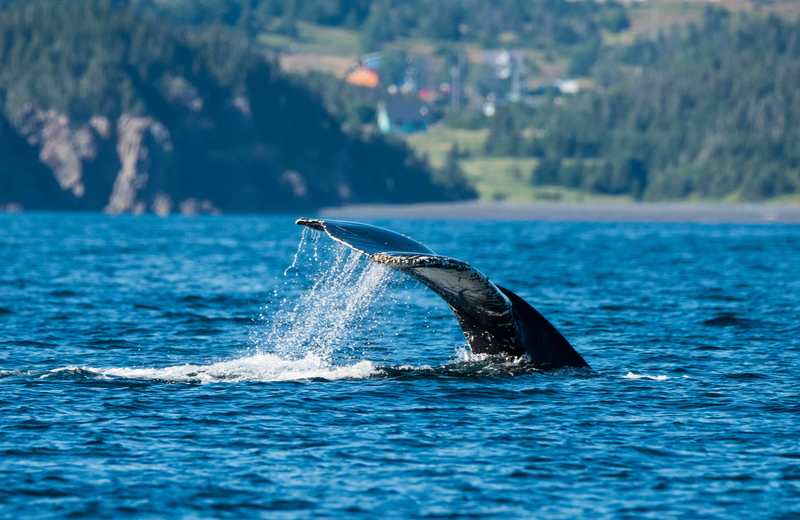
(258, 367)
(631, 375)
(465, 355)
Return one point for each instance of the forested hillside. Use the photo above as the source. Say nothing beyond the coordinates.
(534, 23)
(108, 107)
(160, 105)
(711, 112)
(707, 107)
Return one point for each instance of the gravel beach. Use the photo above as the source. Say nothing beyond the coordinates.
(658, 212)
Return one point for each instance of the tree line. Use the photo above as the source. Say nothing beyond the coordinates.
(707, 110)
(711, 111)
(234, 123)
(541, 23)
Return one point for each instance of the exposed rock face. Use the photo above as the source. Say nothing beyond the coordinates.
(65, 148)
(225, 153)
(162, 204)
(14, 207)
(62, 148)
(193, 206)
(24, 181)
(296, 181)
(134, 158)
(101, 125)
(185, 94)
(136, 115)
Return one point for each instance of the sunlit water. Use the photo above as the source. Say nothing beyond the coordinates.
(211, 368)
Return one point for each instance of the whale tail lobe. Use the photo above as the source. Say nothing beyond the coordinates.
(494, 319)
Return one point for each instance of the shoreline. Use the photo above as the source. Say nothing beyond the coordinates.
(575, 211)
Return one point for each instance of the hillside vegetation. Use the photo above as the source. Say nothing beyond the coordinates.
(677, 100)
(106, 107)
(681, 100)
(534, 23)
(712, 112)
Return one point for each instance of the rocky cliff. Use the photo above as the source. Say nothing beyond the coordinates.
(103, 109)
(131, 165)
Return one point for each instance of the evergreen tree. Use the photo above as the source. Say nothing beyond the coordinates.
(452, 177)
(216, 120)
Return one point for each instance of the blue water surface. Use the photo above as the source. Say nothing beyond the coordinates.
(175, 368)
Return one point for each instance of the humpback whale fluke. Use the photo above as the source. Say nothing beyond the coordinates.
(494, 319)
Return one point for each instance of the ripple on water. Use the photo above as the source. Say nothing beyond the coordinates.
(168, 368)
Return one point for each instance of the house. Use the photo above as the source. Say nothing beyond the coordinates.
(403, 116)
(363, 77)
(558, 87)
(372, 60)
(567, 86)
(427, 94)
(506, 72)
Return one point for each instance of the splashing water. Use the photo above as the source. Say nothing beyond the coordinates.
(332, 309)
(329, 314)
(336, 288)
(300, 246)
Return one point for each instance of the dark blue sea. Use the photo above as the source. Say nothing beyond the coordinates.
(241, 367)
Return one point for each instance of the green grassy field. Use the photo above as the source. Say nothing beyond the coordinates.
(329, 46)
(496, 178)
(317, 39)
(509, 179)
(438, 141)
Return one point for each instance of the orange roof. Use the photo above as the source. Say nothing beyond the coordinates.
(364, 77)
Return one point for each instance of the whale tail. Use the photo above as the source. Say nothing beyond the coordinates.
(494, 319)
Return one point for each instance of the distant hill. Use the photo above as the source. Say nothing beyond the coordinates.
(108, 108)
(534, 22)
(678, 100)
(711, 112)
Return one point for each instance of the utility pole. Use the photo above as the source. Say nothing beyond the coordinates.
(455, 87)
(653, 20)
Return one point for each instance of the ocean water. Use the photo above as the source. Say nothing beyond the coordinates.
(241, 367)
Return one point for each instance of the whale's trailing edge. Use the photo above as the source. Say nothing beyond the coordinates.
(494, 319)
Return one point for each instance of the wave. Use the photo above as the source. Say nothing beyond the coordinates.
(257, 368)
(310, 335)
(631, 375)
(312, 367)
